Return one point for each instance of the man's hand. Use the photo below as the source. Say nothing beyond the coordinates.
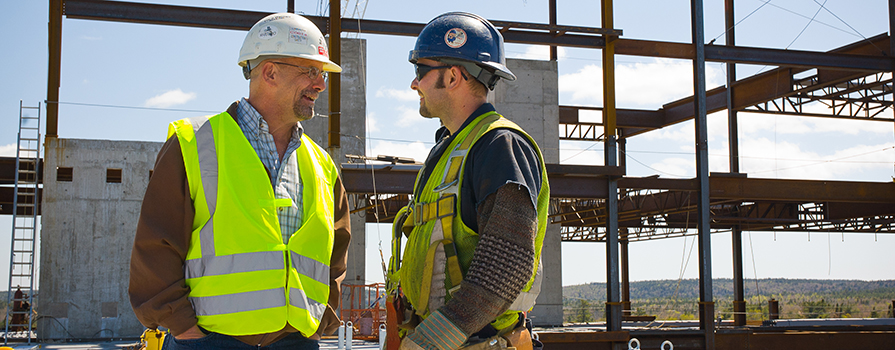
(192, 333)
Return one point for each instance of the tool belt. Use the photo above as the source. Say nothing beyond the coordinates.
(518, 339)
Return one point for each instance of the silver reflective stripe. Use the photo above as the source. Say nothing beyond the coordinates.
(208, 170)
(227, 264)
(526, 300)
(239, 302)
(312, 268)
(299, 299)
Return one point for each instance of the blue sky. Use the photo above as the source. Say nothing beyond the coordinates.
(136, 65)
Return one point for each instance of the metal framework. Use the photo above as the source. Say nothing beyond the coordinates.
(850, 82)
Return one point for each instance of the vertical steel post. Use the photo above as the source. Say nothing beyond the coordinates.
(626, 280)
(892, 38)
(553, 52)
(290, 6)
(610, 154)
(55, 66)
(335, 83)
(739, 286)
(706, 305)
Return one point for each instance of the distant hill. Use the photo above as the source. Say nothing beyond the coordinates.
(798, 298)
(723, 288)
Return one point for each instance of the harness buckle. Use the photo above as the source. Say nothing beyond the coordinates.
(452, 206)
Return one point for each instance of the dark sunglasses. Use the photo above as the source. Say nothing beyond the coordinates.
(421, 70)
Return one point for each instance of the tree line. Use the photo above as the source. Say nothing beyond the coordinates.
(797, 298)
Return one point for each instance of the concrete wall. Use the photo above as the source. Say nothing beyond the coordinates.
(354, 130)
(532, 101)
(87, 232)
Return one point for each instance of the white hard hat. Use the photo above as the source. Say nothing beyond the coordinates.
(285, 35)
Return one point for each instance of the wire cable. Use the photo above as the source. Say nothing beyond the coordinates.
(131, 107)
(852, 28)
(740, 21)
(807, 24)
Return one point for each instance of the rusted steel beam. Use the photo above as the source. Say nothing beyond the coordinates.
(760, 88)
(801, 190)
(531, 33)
(562, 339)
(8, 170)
(6, 205)
(867, 60)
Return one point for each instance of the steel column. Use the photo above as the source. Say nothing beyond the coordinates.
(706, 305)
(55, 67)
(626, 280)
(610, 155)
(892, 37)
(335, 83)
(739, 295)
(553, 53)
(290, 6)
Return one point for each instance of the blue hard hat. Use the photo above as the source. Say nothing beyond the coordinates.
(464, 39)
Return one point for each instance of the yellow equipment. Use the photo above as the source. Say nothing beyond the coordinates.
(152, 339)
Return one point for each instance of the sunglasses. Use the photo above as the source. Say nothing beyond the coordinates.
(421, 70)
(312, 72)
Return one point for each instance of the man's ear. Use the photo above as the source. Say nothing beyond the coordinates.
(269, 73)
(455, 77)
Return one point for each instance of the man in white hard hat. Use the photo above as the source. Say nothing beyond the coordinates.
(243, 236)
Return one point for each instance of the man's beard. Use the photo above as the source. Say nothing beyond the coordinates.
(302, 111)
(439, 84)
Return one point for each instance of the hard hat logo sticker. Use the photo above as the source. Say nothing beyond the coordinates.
(298, 36)
(267, 32)
(455, 38)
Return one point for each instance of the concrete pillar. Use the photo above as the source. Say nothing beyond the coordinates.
(532, 101)
(87, 233)
(354, 129)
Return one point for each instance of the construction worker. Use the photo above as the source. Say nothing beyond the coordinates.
(243, 236)
(476, 224)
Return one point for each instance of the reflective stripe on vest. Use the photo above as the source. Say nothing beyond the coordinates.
(446, 178)
(242, 278)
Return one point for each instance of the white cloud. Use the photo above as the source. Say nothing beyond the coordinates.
(537, 52)
(8, 150)
(763, 158)
(573, 153)
(675, 167)
(170, 99)
(408, 116)
(637, 84)
(401, 95)
(372, 122)
(416, 150)
(585, 84)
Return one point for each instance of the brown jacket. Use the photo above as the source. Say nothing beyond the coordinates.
(158, 290)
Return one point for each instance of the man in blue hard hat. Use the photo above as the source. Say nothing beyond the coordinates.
(471, 264)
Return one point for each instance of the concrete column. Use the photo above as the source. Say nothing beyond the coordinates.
(87, 233)
(353, 124)
(532, 101)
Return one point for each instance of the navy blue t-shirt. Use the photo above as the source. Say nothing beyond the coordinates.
(499, 157)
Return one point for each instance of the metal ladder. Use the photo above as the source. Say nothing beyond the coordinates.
(24, 227)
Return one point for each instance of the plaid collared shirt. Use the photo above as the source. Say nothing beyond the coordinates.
(284, 176)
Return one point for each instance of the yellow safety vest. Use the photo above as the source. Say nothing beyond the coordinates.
(243, 279)
(438, 228)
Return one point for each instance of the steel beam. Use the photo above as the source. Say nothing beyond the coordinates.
(54, 67)
(871, 61)
(335, 82)
(706, 305)
(610, 158)
(528, 33)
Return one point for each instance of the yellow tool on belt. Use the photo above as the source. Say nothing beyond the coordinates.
(152, 339)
